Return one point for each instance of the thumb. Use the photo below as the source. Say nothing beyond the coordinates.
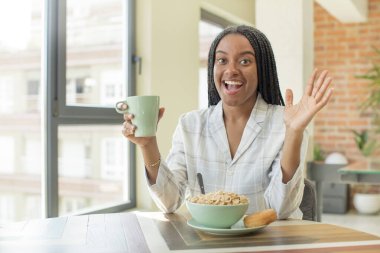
(288, 97)
(160, 113)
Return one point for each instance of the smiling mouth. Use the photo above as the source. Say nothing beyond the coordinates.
(232, 85)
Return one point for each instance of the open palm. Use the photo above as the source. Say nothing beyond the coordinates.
(316, 96)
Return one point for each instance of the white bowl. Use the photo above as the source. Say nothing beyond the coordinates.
(336, 158)
(366, 203)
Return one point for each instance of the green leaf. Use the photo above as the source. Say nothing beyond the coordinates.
(366, 146)
(317, 153)
(369, 148)
(372, 104)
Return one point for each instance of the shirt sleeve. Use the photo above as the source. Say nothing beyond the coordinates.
(286, 198)
(169, 190)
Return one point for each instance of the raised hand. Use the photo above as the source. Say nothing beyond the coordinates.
(316, 96)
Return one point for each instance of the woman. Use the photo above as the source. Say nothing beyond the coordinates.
(246, 141)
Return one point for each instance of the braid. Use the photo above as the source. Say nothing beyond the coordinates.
(268, 85)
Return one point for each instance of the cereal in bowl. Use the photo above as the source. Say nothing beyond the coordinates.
(220, 198)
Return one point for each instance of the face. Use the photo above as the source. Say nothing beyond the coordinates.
(235, 72)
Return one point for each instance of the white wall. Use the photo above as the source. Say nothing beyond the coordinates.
(289, 26)
(291, 36)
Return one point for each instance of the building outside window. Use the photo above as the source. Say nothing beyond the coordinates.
(81, 117)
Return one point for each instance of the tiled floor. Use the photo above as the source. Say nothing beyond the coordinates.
(366, 223)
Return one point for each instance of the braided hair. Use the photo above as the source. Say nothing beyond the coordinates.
(268, 85)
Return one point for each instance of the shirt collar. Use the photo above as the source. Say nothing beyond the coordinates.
(258, 113)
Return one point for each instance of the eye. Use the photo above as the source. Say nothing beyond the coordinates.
(245, 61)
(220, 61)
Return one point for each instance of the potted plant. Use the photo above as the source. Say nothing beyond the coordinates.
(372, 102)
(365, 145)
(323, 170)
(318, 155)
(366, 197)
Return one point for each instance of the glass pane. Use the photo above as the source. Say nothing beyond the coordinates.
(93, 169)
(207, 33)
(20, 96)
(94, 75)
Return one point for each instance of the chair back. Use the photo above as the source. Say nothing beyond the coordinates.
(309, 201)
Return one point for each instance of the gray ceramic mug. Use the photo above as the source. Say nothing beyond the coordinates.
(145, 110)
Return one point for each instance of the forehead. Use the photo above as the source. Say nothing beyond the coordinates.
(234, 42)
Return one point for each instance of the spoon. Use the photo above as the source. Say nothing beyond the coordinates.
(200, 182)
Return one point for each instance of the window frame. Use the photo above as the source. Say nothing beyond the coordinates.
(56, 113)
(215, 19)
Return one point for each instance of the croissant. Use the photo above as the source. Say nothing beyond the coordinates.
(260, 218)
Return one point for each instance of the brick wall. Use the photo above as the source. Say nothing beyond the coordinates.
(346, 51)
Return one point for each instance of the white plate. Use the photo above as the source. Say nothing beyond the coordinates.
(236, 229)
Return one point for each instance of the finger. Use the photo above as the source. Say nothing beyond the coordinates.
(127, 131)
(128, 116)
(128, 126)
(121, 106)
(309, 87)
(319, 82)
(325, 99)
(322, 90)
(288, 97)
(161, 113)
(130, 133)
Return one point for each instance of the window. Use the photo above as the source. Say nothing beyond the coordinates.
(33, 97)
(56, 105)
(7, 93)
(210, 26)
(7, 207)
(7, 151)
(32, 205)
(31, 161)
(112, 159)
(77, 90)
(71, 204)
(95, 55)
(33, 87)
(20, 70)
(94, 45)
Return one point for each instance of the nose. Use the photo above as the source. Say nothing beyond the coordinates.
(232, 69)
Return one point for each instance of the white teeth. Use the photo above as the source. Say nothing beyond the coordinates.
(233, 82)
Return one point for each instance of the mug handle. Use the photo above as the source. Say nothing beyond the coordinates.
(118, 107)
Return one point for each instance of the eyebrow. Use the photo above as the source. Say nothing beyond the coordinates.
(242, 53)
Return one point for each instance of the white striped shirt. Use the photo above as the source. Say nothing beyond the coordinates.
(200, 144)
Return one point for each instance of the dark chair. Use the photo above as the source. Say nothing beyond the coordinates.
(309, 201)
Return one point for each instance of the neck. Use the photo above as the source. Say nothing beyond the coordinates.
(237, 113)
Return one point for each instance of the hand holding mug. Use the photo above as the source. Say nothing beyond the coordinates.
(141, 115)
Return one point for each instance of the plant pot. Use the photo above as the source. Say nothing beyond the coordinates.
(367, 203)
